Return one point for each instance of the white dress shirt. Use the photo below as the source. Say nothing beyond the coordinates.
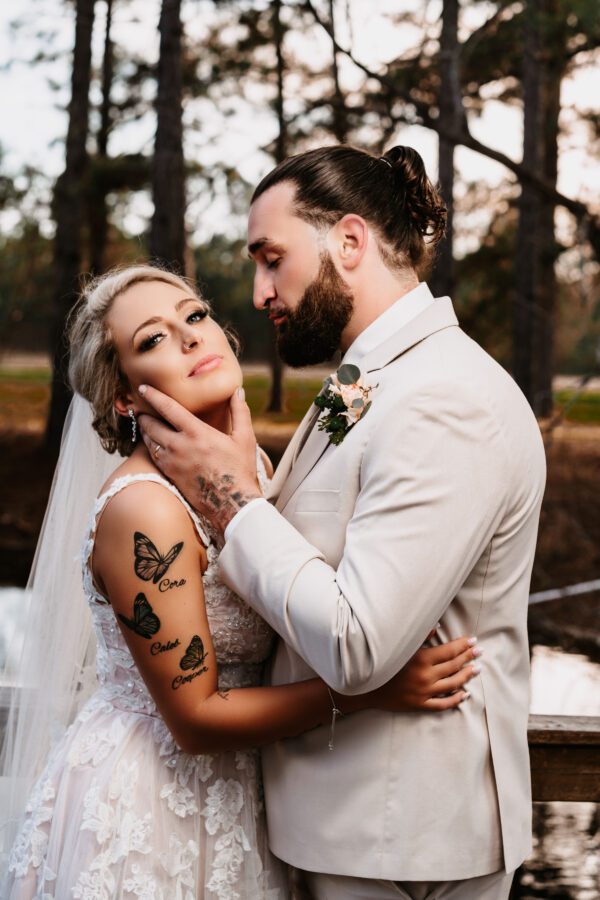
(400, 313)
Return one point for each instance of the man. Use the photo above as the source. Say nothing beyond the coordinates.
(414, 501)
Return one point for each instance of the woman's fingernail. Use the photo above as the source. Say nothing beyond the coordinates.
(142, 389)
(472, 641)
(439, 625)
(476, 669)
(477, 651)
(241, 393)
(466, 696)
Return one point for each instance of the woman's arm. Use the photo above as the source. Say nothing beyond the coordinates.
(148, 557)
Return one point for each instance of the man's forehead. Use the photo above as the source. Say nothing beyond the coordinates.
(270, 212)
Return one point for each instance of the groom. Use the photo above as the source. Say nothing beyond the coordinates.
(419, 508)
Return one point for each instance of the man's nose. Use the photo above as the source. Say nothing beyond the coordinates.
(263, 291)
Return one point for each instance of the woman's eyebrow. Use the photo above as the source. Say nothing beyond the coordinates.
(153, 321)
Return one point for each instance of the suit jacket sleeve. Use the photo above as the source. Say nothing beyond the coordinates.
(433, 489)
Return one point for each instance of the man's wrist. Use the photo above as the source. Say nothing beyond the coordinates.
(228, 511)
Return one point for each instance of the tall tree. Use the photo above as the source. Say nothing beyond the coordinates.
(339, 117)
(69, 212)
(98, 212)
(167, 233)
(276, 394)
(451, 121)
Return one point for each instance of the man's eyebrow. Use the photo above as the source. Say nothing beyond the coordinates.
(255, 246)
(155, 319)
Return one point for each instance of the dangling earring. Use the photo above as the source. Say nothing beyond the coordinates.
(133, 426)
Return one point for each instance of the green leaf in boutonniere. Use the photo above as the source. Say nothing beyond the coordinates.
(345, 400)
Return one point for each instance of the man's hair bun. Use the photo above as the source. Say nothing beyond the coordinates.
(422, 202)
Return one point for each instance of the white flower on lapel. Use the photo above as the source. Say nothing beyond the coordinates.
(346, 398)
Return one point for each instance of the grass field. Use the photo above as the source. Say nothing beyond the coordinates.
(24, 394)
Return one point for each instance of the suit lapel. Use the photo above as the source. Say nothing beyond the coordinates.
(434, 318)
(308, 456)
(289, 457)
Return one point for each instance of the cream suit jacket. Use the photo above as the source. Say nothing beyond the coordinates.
(428, 511)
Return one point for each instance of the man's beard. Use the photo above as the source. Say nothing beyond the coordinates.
(312, 332)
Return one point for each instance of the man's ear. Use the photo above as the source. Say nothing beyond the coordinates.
(348, 241)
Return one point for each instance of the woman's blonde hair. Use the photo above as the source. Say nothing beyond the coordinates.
(94, 370)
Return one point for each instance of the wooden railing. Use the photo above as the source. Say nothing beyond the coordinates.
(565, 757)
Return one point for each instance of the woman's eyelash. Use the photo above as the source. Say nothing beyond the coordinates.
(152, 339)
(201, 313)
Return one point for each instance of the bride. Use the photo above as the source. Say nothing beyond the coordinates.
(152, 789)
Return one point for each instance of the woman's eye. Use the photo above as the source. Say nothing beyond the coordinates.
(197, 315)
(151, 341)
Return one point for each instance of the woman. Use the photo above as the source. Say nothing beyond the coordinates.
(153, 791)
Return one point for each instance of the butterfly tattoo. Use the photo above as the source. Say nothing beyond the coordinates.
(149, 564)
(194, 655)
(145, 622)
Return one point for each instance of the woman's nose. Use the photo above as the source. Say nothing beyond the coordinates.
(189, 341)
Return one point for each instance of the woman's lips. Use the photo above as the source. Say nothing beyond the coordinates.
(207, 364)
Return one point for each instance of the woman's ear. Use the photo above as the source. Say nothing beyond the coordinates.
(123, 403)
(348, 241)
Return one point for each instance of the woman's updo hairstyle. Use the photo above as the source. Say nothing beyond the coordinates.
(94, 370)
(392, 193)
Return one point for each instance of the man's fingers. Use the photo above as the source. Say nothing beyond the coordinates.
(168, 409)
(241, 418)
(154, 432)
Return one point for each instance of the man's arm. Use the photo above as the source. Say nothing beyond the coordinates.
(433, 487)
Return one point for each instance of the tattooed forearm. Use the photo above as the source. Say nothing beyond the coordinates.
(220, 500)
(224, 695)
(145, 622)
(157, 647)
(167, 585)
(149, 562)
(193, 659)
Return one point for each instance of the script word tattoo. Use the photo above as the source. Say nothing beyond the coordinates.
(150, 564)
(145, 622)
(167, 585)
(157, 647)
(193, 659)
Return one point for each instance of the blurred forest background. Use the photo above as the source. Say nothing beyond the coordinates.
(169, 112)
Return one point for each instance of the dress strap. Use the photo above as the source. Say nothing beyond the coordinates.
(118, 485)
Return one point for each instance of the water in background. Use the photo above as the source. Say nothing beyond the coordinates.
(565, 863)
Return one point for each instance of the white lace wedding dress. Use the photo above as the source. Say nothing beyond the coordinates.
(120, 811)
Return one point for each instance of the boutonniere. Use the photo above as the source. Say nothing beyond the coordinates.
(346, 400)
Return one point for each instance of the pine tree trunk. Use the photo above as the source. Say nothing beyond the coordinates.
(451, 118)
(340, 123)
(275, 403)
(167, 234)
(69, 214)
(527, 253)
(536, 287)
(98, 210)
(552, 74)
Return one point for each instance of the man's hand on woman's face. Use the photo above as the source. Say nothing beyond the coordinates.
(216, 472)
